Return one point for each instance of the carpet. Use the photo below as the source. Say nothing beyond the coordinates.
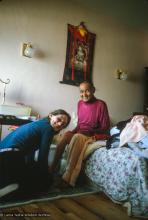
(53, 194)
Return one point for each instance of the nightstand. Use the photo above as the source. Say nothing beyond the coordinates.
(9, 115)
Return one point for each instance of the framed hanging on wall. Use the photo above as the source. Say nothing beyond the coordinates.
(79, 55)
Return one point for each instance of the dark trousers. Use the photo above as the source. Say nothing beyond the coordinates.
(35, 179)
(12, 165)
(30, 177)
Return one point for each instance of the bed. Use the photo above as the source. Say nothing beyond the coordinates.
(122, 174)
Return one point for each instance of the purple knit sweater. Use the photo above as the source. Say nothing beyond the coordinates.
(93, 117)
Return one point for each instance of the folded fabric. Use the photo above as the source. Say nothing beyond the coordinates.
(93, 146)
(101, 136)
(138, 151)
(114, 130)
(143, 143)
(134, 131)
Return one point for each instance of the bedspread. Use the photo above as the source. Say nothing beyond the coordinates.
(122, 175)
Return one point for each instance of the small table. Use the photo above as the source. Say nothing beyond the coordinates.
(11, 120)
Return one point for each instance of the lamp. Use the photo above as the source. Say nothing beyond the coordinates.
(120, 74)
(123, 76)
(27, 50)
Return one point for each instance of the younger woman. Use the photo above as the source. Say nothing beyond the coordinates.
(17, 165)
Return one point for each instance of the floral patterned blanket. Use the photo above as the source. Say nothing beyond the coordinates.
(122, 175)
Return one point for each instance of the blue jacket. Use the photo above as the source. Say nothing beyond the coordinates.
(30, 137)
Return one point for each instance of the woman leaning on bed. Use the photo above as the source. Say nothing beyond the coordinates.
(17, 166)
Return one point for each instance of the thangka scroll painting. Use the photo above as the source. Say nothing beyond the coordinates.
(79, 55)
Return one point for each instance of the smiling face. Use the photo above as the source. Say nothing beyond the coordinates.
(86, 91)
(58, 122)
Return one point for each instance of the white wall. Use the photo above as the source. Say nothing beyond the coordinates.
(122, 31)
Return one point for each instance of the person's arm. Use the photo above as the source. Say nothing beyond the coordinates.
(103, 118)
(44, 147)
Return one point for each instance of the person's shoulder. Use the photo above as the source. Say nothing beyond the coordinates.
(100, 101)
(45, 119)
(37, 121)
(42, 122)
(44, 125)
(80, 102)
